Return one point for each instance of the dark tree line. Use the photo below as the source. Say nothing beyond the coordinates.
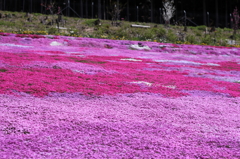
(202, 12)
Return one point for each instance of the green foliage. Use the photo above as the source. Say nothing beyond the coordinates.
(37, 14)
(236, 37)
(218, 33)
(149, 33)
(122, 33)
(3, 70)
(222, 42)
(142, 38)
(171, 37)
(227, 29)
(191, 39)
(89, 22)
(104, 29)
(201, 27)
(193, 28)
(52, 31)
(135, 39)
(135, 32)
(207, 40)
(7, 23)
(88, 28)
(161, 33)
(198, 33)
(106, 26)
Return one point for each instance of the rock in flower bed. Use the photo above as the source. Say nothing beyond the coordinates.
(65, 97)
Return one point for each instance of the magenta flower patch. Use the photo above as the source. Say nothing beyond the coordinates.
(65, 97)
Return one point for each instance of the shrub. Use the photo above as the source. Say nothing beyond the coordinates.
(236, 37)
(52, 31)
(107, 26)
(207, 40)
(149, 33)
(198, 33)
(191, 39)
(171, 37)
(89, 22)
(121, 33)
(135, 32)
(161, 33)
(104, 29)
(218, 33)
(223, 42)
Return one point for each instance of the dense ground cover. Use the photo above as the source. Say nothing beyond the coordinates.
(67, 97)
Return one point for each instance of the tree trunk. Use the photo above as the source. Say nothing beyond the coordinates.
(226, 13)
(176, 10)
(30, 6)
(74, 6)
(41, 6)
(118, 14)
(128, 10)
(107, 9)
(86, 9)
(4, 5)
(135, 7)
(15, 7)
(152, 11)
(68, 9)
(216, 9)
(81, 3)
(204, 13)
(23, 5)
(99, 10)
(1, 5)
(104, 10)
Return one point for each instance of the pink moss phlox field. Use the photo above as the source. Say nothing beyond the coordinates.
(67, 97)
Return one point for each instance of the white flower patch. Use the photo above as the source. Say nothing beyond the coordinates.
(143, 82)
(211, 64)
(162, 46)
(54, 43)
(169, 86)
(187, 62)
(7, 44)
(137, 47)
(179, 61)
(193, 52)
(79, 71)
(131, 59)
(72, 52)
(75, 53)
